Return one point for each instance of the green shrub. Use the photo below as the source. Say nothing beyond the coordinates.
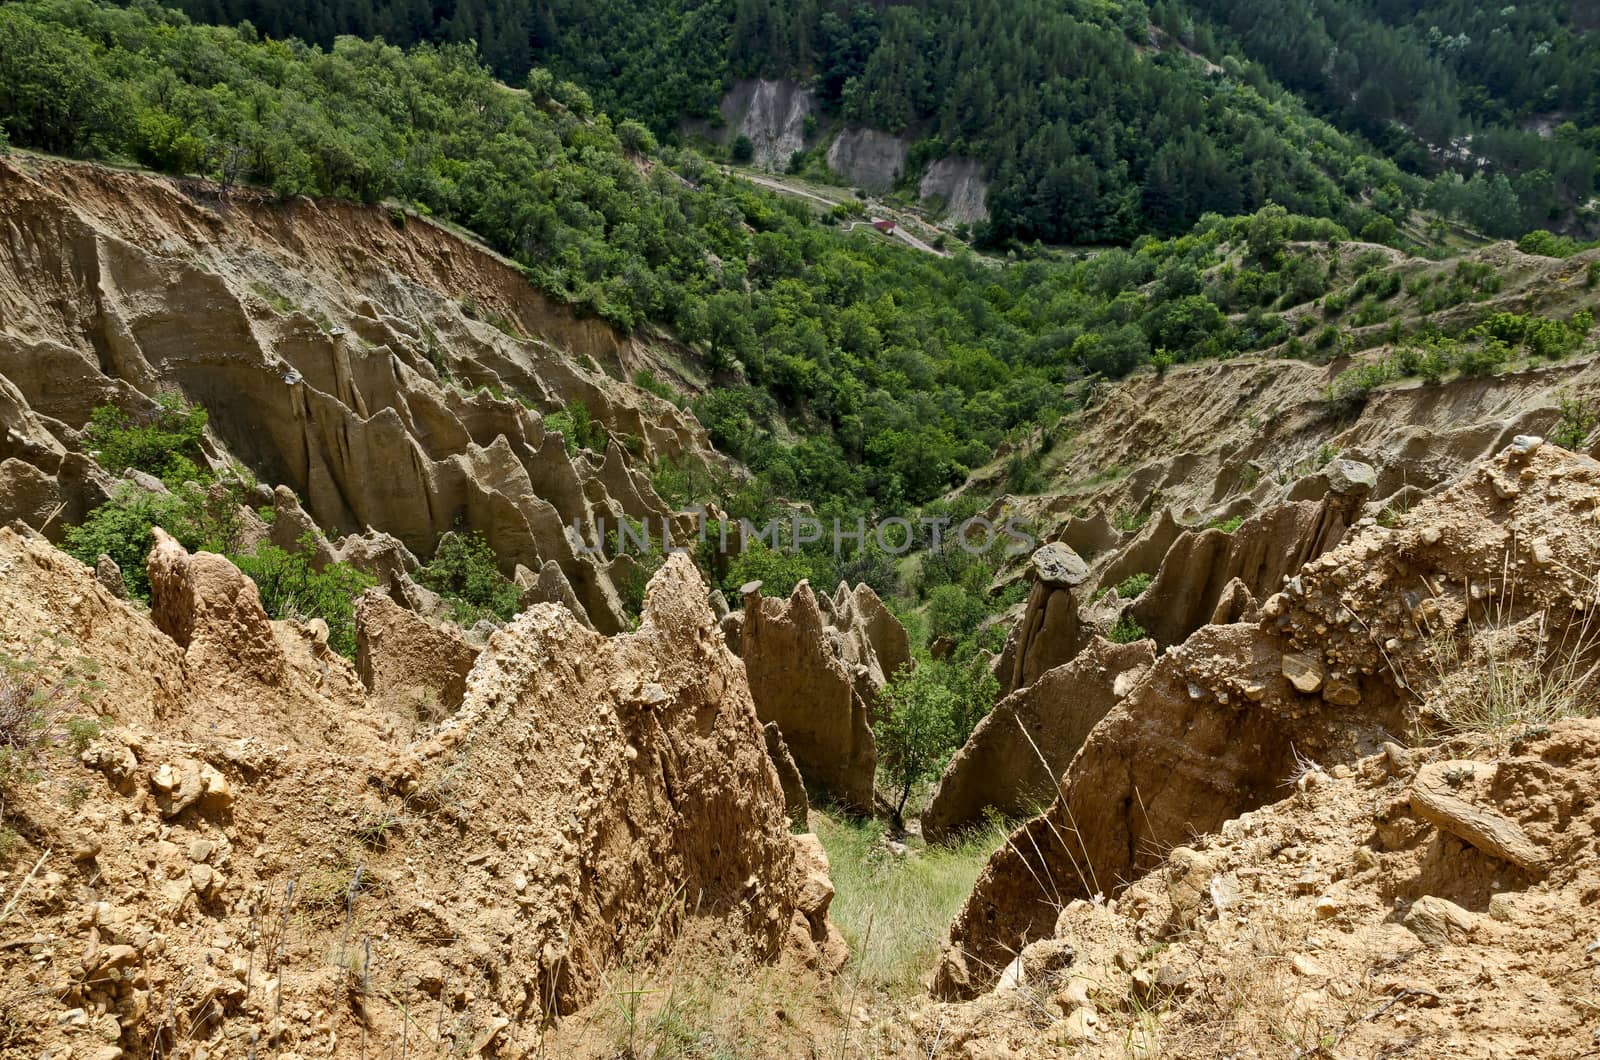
(1592, 275)
(466, 571)
(198, 517)
(1579, 417)
(577, 427)
(953, 612)
(1483, 359)
(1131, 521)
(1348, 393)
(743, 149)
(1126, 631)
(1547, 244)
(164, 442)
(931, 710)
(777, 571)
(1227, 526)
(1130, 587)
(646, 380)
(291, 588)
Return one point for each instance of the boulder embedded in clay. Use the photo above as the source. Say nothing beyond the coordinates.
(1049, 632)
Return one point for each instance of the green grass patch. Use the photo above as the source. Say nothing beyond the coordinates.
(895, 910)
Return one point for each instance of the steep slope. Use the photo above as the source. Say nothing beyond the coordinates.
(240, 852)
(340, 353)
(1352, 917)
(1339, 661)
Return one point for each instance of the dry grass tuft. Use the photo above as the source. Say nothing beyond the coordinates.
(1500, 678)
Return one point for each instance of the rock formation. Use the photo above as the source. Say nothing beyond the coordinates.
(593, 800)
(1335, 664)
(213, 612)
(958, 183)
(1016, 755)
(1049, 632)
(772, 114)
(868, 158)
(644, 793)
(1277, 916)
(795, 801)
(1201, 564)
(800, 681)
(552, 587)
(340, 360)
(407, 664)
(870, 640)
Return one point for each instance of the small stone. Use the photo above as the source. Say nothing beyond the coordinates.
(1431, 535)
(1526, 444)
(1303, 671)
(1308, 967)
(201, 850)
(215, 787)
(1328, 907)
(1342, 693)
(1078, 1026)
(1075, 994)
(204, 878)
(1503, 907)
(73, 1017)
(109, 575)
(1437, 921)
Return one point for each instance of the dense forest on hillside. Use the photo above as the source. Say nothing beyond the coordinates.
(1437, 84)
(907, 370)
(902, 370)
(1094, 126)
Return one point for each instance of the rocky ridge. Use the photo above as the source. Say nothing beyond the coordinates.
(260, 860)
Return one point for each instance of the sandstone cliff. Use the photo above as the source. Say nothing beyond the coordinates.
(390, 373)
(1336, 664)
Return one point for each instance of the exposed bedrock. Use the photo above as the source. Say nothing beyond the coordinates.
(817, 673)
(1332, 668)
(1016, 755)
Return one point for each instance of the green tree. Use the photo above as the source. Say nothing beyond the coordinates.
(466, 571)
(928, 712)
(291, 587)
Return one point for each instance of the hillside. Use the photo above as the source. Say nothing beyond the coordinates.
(482, 575)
